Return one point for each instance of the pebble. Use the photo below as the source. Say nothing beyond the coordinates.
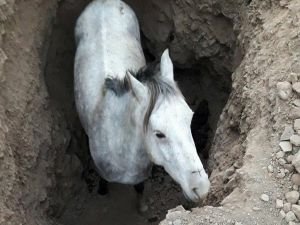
(296, 162)
(289, 167)
(282, 213)
(296, 179)
(293, 77)
(287, 207)
(229, 172)
(284, 90)
(279, 204)
(296, 210)
(280, 174)
(256, 209)
(297, 124)
(270, 168)
(177, 222)
(293, 223)
(296, 87)
(296, 102)
(292, 196)
(295, 140)
(296, 149)
(290, 158)
(281, 161)
(290, 216)
(294, 113)
(286, 146)
(238, 165)
(279, 154)
(295, 187)
(265, 197)
(287, 133)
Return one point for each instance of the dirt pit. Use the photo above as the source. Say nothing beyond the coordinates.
(206, 90)
(237, 59)
(206, 45)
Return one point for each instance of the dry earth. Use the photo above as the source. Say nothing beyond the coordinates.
(258, 42)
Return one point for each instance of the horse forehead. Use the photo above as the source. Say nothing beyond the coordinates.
(175, 108)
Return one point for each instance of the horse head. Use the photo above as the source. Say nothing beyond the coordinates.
(167, 132)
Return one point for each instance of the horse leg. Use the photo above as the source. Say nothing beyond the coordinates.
(141, 201)
(102, 188)
(88, 176)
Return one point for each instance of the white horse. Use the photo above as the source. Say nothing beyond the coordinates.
(133, 114)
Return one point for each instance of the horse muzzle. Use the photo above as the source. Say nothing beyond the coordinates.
(197, 189)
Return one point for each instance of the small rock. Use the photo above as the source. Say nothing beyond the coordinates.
(296, 179)
(296, 87)
(279, 154)
(294, 113)
(279, 204)
(297, 124)
(296, 162)
(286, 146)
(229, 172)
(292, 196)
(290, 216)
(238, 165)
(295, 148)
(265, 197)
(280, 175)
(295, 187)
(284, 90)
(293, 77)
(296, 210)
(270, 169)
(282, 213)
(290, 158)
(256, 209)
(293, 223)
(295, 140)
(281, 161)
(287, 133)
(177, 222)
(296, 102)
(289, 167)
(287, 207)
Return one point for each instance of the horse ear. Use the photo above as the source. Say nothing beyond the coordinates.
(138, 89)
(166, 65)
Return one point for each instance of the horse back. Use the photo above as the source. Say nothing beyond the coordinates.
(108, 44)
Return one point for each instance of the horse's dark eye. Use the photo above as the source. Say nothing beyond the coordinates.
(160, 135)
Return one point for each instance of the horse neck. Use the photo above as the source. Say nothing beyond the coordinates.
(127, 115)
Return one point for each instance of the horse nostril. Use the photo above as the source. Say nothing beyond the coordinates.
(195, 192)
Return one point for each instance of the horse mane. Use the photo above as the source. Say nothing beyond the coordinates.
(151, 77)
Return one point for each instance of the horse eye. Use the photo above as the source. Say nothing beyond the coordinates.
(160, 135)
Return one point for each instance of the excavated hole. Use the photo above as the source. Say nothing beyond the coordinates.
(206, 92)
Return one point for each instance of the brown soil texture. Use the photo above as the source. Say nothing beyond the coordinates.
(240, 50)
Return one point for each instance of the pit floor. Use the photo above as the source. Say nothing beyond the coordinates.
(118, 207)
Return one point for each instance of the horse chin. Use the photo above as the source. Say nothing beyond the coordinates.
(193, 198)
(194, 195)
